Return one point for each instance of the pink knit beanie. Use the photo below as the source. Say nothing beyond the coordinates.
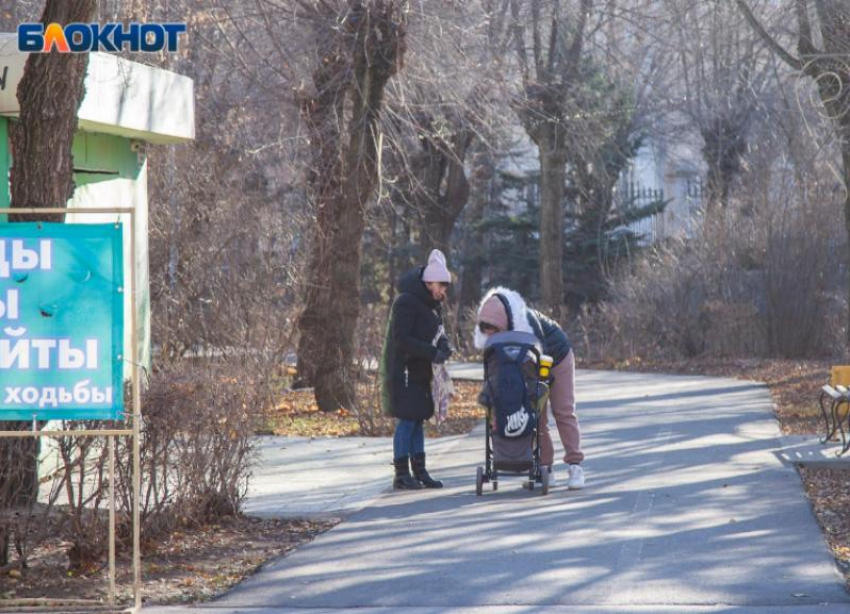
(493, 312)
(436, 269)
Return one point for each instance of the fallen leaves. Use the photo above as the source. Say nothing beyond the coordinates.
(829, 492)
(190, 566)
(296, 414)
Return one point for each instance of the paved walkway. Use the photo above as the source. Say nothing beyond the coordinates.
(299, 476)
(690, 509)
(808, 451)
(302, 476)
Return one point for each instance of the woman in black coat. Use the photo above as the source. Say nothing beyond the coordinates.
(414, 342)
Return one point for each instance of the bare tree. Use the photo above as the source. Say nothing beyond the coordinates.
(585, 71)
(443, 189)
(448, 105)
(358, 50)
(49, 95)
(823, 54)
(444, 102)
(352, 119)
(724, 72)
(482, 178)
(550, 70)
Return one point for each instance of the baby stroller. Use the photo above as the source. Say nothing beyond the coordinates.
(516, 389)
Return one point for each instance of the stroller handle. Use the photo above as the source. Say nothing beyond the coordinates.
(525, 341)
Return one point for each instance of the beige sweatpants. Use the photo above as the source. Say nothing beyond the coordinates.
(562, 404)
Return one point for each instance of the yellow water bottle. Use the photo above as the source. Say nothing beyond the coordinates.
(545, 366)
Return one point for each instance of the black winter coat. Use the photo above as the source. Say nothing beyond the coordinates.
(409, 351)
(555, 341)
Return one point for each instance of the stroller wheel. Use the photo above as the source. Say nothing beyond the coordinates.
(530, 485)
(495, 485)
(544, 478)
(479, 481)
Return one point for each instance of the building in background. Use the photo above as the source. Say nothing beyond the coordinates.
(661, 170)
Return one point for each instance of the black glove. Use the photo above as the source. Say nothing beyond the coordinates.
(443, 344)
(441, 356)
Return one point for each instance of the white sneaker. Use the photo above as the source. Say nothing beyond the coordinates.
(576, 480)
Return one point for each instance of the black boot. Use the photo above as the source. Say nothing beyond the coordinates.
(418, 463)
(403, 480)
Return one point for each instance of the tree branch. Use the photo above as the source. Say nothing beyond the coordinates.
(553, 37)
(537, 42)
(519, 40)
(805, 44)
(496, 24)
(574, 54)
(789, 59)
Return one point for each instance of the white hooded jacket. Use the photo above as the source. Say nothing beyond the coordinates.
(518, 314)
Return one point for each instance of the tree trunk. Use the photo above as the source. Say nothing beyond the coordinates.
(725, 144)
(550, 73)
(444, 189)
(370, 47)
(49, 95)
(552, 178)
(472, 247)
(845, 155)
(322, 113)
(333, 382)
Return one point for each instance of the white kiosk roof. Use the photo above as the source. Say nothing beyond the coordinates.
(122, 98)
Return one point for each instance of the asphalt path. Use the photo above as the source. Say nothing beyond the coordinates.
(690, 508)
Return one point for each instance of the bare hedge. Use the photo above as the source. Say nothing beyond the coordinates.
(768, 282)
(196, 459)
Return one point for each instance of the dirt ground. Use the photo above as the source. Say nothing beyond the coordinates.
(192, 565)
(196, 565)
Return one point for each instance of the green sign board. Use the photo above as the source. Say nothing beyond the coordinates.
(61, 321)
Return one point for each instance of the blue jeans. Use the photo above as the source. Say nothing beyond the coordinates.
(409, 438)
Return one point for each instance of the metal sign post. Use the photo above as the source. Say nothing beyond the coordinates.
(110, 435)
